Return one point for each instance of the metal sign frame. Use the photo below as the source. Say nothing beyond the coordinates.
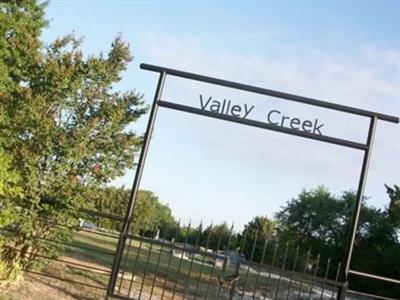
(158, 102)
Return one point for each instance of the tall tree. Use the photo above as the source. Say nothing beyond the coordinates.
(217, 236)
(319, 221)
(9, 188)
(150, 215)
(256, 233)
(316, 220)
(69, 124)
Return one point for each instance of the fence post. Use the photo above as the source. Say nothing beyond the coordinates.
(135, 187)
(344, 272)
(343, 291)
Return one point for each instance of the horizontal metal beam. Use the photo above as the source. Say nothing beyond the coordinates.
(262, 125)
(272, 93)
(176, 247)
(75, 264)
(382, 278)
(369, 296)
(102, 214)
(287, 272)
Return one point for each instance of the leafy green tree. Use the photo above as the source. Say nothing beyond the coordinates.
(255, 234)
(218, 237)
(194, 235)
(319, 221)
(21, 24)
(9, 188)
(150, 215)
(378, 240)
(109, 200)
(65, 125)
(316, 220)
(9, 185)
(381, 240)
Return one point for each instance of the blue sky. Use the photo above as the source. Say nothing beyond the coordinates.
(343, 52)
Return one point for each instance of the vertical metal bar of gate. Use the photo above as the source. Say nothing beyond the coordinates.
(135, 186)
(357, 209)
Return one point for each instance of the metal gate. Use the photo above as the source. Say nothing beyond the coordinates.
(161, 269)
(147, 268)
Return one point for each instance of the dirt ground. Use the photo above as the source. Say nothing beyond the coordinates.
(39, 287)
(36, 287)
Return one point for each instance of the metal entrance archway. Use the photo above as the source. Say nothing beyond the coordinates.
(366, 148)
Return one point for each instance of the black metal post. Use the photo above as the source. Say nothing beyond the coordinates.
(344, 272)
(135, 186)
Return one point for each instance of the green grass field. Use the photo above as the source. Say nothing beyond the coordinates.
(83, 273)
(172, 271)
(103, 244)
(154, 269)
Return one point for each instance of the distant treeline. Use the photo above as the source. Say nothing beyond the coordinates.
(149, 213)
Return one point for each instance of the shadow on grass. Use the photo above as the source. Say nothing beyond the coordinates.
(66, 291)
(101, 279)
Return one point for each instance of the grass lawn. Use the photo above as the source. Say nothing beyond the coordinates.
(145, 261)
(154, 269)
